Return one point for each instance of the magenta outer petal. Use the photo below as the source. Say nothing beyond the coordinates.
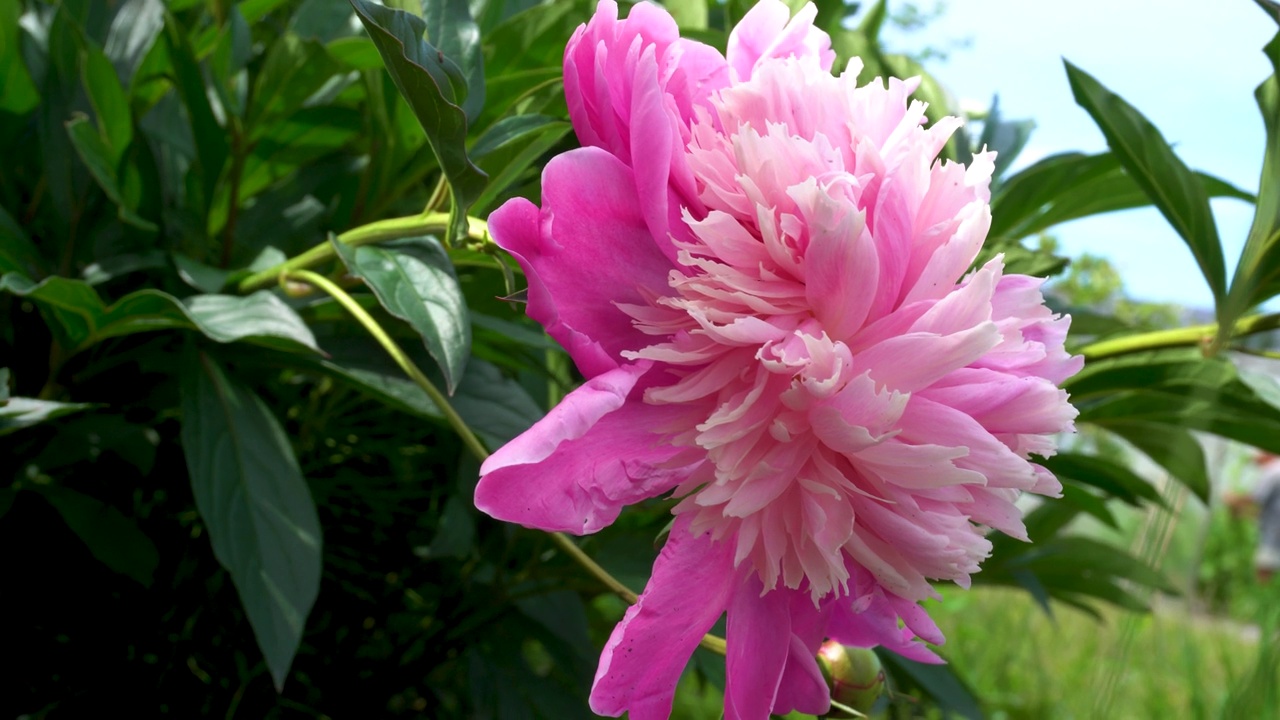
(692, 583)
(577, 467)
(803, 689)
(758, 638)
(591, 244)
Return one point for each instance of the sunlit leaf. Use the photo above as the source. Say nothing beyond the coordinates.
(1175, 191)
(414, 280)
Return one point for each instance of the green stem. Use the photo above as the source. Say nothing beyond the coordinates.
(376, 232)
(397, 354)
(1194, 336)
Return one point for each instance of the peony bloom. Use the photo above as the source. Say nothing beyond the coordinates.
(760, 268)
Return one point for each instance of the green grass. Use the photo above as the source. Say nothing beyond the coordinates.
(1166, 664)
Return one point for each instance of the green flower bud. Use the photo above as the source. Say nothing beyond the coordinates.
(853, 674)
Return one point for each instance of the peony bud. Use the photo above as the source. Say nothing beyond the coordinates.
(853, 674)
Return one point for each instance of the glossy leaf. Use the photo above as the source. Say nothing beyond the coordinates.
(1175, 191)
(255, 503)
(75, 310)
(18, 413)
(453, 31)
(134, 30)
(113, 538)
(414, 280)
(427, 80)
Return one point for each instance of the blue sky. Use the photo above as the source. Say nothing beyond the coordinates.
(1190, 66)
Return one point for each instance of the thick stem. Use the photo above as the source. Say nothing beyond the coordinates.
(1194, 336)
(376, 232)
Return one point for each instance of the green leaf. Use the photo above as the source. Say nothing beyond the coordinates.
(1173, 448)
(456, 533)
(75, 311)
(261, 519)
(1175, 191)
(110, 104)
(1115, 480)
(1257, 276)
(1006, 137)
(134, 30)
(97, 158)
(414, 280)
(20, 95)
(508, 160)
(19, 412)
(423, 76)
(114, 539)
(212, 148)
(4, 386)
(293, 71)
(17, 252)
(453, 31)
(939, 682)
(1070, 186)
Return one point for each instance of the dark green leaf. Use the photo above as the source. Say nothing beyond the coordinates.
(323, 20)
(1006, 137)
(75, 311)
(1115, 480)
(253, 499)
(1257, 276)
(939, 682)
(452, 30)
(422, 74)
(4, 386)
(113, 539)
(292, 72)
(110, 104)
(456, 533)
(508, 130)
(1175, 191)
(1070, 186)
(1173, 448)
(20, 412)
(509, 161)
(414, 280)
(212, 148)
(97, 158)
(17, 252)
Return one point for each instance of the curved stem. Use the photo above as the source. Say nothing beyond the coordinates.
(397, 354)
(376, 232)
(1194, 336)
(564, 542)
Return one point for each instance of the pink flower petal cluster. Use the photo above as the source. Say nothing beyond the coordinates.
(761, 270)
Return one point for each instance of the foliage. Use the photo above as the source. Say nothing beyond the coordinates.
(253, 335)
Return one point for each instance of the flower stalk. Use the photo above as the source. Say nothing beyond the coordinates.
(1195, 336)
(375, 232)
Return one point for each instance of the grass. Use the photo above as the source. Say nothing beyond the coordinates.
(1166, 664)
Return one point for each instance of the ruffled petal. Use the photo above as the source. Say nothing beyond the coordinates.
(768, 31)
(580, 465)
(692, 583)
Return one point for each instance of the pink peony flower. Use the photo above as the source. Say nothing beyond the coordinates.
(760, 269)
